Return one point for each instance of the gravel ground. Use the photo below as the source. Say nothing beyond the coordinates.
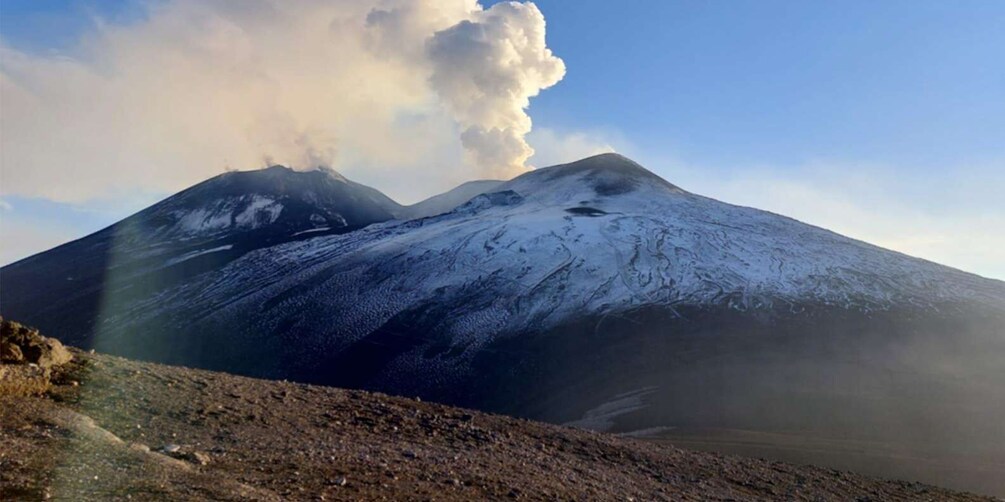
(117, 429)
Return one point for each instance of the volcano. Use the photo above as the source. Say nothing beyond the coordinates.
(594, 294)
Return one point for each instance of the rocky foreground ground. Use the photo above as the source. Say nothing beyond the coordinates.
(116, 429)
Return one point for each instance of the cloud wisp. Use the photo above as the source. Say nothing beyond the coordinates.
(427, 89)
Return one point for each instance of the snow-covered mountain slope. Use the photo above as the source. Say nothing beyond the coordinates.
(561, 291)
(444, 202)
(599, 236)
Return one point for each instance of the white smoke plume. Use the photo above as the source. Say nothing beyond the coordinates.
(413, 90)
(486, 70)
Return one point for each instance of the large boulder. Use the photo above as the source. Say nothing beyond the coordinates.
(27, 359)
(20, 344)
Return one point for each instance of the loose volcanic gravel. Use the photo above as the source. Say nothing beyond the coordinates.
(115, 429)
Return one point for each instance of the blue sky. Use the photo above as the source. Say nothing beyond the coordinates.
(727, 83)
(884, 121)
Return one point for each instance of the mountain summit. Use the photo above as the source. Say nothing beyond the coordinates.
(607, 173)
(277, 198)
(194, 231)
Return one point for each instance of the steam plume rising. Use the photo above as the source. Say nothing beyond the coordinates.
(486, 70)
(393, 87)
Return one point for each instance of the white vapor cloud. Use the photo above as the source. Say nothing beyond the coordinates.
(412, 90)
(487, 70)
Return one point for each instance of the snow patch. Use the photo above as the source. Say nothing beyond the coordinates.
(246, 213)
(602, 417)
(260, 211)
(312, 231)
(201, 221)
(193, 254)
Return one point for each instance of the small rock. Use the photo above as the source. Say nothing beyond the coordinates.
(139, 447)
(198, 457)
(171, 448)
(340, 481)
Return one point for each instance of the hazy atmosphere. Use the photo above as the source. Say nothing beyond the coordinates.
(881, 122)
(470, 250)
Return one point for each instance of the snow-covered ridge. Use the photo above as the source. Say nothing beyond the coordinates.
(560, 243)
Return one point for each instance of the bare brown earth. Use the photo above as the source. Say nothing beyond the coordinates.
(98, 434)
